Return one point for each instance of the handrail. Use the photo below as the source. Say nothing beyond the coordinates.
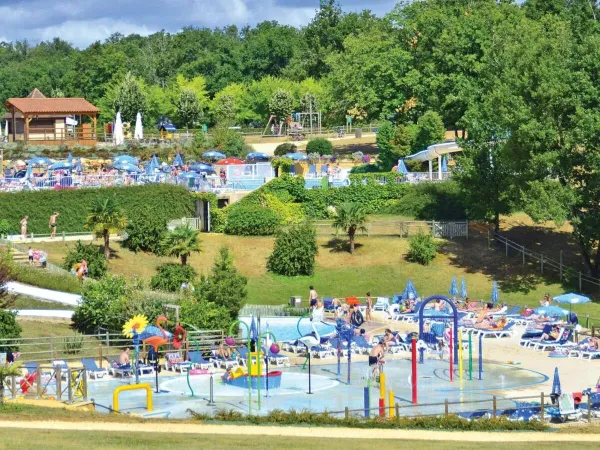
(133, 387)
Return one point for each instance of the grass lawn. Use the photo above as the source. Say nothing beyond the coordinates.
(16, 438)
(38, 328)
(24, 302)
(378, 266)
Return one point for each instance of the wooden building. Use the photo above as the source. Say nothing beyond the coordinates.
(39, 120)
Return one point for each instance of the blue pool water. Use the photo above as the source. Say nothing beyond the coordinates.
(286, 328)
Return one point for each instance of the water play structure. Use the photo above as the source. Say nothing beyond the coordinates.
(432, 152)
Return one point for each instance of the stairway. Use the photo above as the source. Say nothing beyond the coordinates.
(19, 257)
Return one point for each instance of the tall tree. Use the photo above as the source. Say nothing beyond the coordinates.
(188, 108)
(130, 98)
(105, 217)
(181, 243)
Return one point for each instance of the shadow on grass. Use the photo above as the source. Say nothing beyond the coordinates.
(523, 284)
(340, 246)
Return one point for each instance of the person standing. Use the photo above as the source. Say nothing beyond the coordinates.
(30, 256)
(24, 227)
(368, 316)
(52, 224)
(312, 296)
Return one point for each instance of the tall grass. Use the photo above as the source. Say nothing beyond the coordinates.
(36, 276)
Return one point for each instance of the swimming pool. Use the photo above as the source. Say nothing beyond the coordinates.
(285, 328)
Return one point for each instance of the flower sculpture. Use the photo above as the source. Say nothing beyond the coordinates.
(179, 336)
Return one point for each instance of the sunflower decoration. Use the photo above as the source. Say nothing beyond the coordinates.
(137, 323)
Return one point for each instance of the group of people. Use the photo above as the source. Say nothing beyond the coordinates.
(351, 313)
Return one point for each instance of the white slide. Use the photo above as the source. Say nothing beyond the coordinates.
(65, 298)
(45, 313)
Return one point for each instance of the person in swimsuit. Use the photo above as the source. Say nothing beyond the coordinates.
(24, 227)
(52, 224)
(30, 256)
(312, 296)
(369, 308)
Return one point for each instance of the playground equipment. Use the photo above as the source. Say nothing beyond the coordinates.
(231, 341)
(435, 151)
(454, 317)
(344, 334)
(253, 377)
(133, 387)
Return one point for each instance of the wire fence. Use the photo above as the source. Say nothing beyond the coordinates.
(401, 228)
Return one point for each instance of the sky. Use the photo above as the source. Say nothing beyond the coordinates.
(82, 22)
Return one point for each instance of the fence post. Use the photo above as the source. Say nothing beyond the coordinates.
(38, 383)
(542, 406)
(397, 407)
(589, 409)
(69, 387)
(446, 407)
(58, 378)
(84, 382)
(494, 409)
(64, 236)
(100, 355)
(542, 264)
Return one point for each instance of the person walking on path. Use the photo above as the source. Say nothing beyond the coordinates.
(52, 224)
(368, 316)
(312, 296)
(24, 227)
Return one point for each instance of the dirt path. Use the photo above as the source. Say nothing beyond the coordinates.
(424, 435)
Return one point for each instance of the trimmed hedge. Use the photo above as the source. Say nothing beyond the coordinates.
(252, 220)
(163, 201)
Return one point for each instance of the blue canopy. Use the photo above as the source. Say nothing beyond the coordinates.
(571, 298)
(296, 156)
(556, 390)
(202, 168)
(127, 167)
(178, 161)
(39, 161)
(453, 287)
(155, 162)
(168, 127)
(409, 289)
(257, 156)
(495, 296)
(463, 288)
(61, 165)
(444, 164)
(213, 154)
(402, 167)
(125, 159)
(189, 175)
(551, 311)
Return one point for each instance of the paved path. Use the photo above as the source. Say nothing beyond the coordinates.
(353, 433)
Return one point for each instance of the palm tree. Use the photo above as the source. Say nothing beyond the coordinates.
(105, 217)
(351, 217)
(5, 372)
(181, 242)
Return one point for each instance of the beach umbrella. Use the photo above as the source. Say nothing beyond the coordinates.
(39, 161)
(29, 172)
(556, 390)
(453, 287)
(188, 175)
(78, 166)
(118, 136)
(402, 169)
(253, 330)
(495, 296)
(551, 311)
(409, 289)
(257, 156)
(127, 167)
(463, 288)
(571, 299)
(214, 154)
(139, 128)
(296, 156)
(178, 161)
(444, 164)
(202, 168)
(60, 165)
(229, 162)
(126, 159)
(70, 159)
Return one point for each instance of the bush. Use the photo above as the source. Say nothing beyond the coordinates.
(295, 251)
(144, 233)
(9, 329)
(218, 220)
(321, 146)
(430, 201)
(163, 201)
(94, 257)
(422, 248)
(4, 227)
(171, 276)
(205, 315)
(251, 220)
(42, 278)
(283, 149)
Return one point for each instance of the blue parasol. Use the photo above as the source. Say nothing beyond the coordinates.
(453, 287)
(213, 154)
(463, 288)
(551, 311)
(495, 296)
(70, 159)
(257, 156)
(178, 161)
(189, 175)
(39, 161)
(409, 289)
(127, 167)
(61, 165)
(296, 156)
(253, 330)
(126, 159)
(202, 168)
(556, 390)
(402, 167)
(78, 166)
(444, 164)
(571, 299)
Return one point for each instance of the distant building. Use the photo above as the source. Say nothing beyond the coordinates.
(39, 120)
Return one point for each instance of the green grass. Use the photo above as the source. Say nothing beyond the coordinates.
(378, 266)
(24, 302)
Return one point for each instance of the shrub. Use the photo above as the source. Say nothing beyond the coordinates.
(218, 220)
(144, 233)
(42, 278)
(251, 220)
(205, 315)
(321, 146)
(94, 257)
(5, 227)
(357, 156)
(295, 251)
(422, 248)
(9, 329)
(283, 149)
(281, 165)
(170, 277)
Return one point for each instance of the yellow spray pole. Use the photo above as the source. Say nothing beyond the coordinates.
(460, 356)
(382, 394)
(392, 405)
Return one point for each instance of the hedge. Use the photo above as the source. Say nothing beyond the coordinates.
(252, 220)
(162, 200)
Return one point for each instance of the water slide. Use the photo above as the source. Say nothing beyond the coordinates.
(435, 151)
(64, 298)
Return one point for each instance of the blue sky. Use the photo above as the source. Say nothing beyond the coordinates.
(82, 22)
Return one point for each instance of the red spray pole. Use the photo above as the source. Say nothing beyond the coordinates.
(414, 371)
(451, 359)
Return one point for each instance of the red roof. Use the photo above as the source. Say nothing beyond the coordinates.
(52, 105)
(229, 162)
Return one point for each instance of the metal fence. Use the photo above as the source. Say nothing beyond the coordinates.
(49, 382)
(401, 228)
(546, 265)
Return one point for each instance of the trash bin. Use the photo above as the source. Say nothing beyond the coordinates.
(358, 133)
(295, 301)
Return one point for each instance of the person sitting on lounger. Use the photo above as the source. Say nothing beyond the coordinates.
(390, 337)
(224, 351)
(124, 360)
(551, 336)
(594, 344)
(489, 323)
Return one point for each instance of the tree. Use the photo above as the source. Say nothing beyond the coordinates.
(169, 277)
(224, 286)
(224, 108)
(281, 104)
(182, 242)
(105, 217)
(394, 143)
(350, 218)
(144, 233)
(188, 108)
(130, 98)
(430, 130)
(295, 251)
(97, 266)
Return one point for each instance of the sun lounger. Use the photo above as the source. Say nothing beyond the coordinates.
(198, 361)
(175, 362)
(293, 346)
(382, 304)
(225, 363)
(322, 352)
(92, 369)
(362, 346)
(506, 331)
(562, 342)
(565, 410)
(276, 359)
(114, 368)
